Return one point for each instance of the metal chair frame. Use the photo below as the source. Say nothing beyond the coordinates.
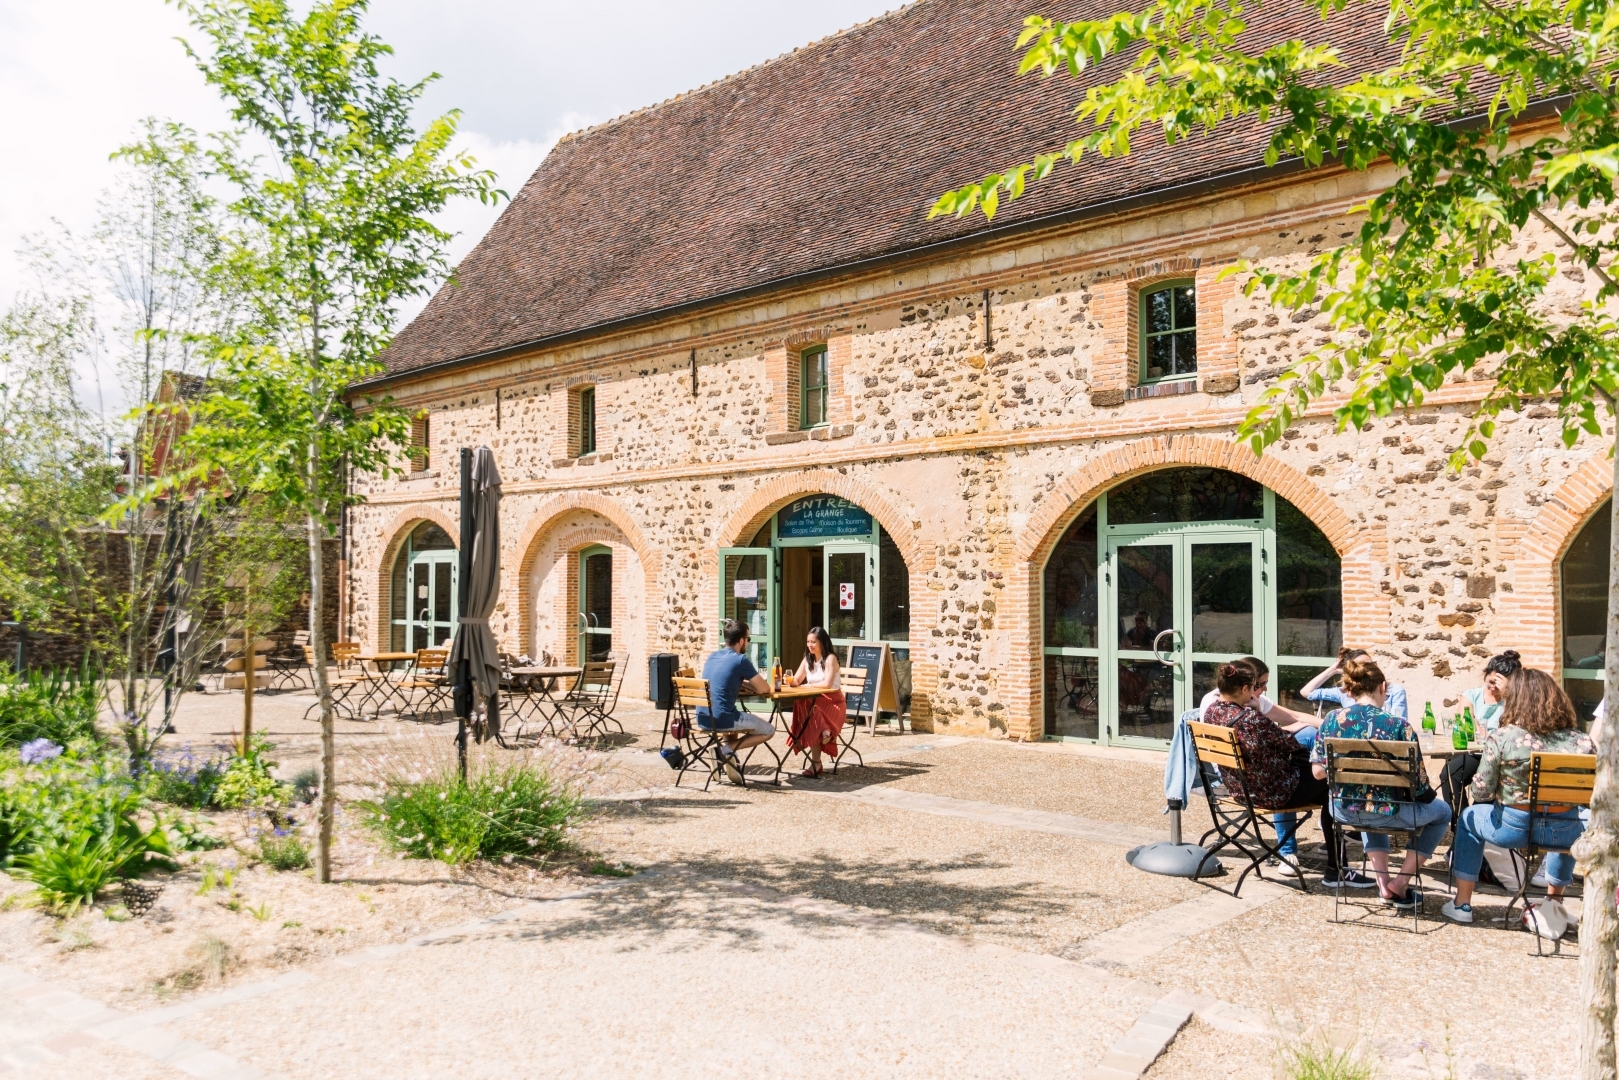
(853, 681)
(1385, 763)
(702, 743)
(428, 674)
(1237, 821)
(1555, 780)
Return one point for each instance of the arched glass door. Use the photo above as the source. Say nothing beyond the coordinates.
(595, 603)
(1165, 578)
(424, 590)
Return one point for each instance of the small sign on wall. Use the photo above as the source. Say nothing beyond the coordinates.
(745, 588)
(846, 596)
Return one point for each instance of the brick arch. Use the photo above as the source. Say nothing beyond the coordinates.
(397, 530)
(1537, 557)
(519, 554)
(1069, 499)
(772, 495)
(1365, 608)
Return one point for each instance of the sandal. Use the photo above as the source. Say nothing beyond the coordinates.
(811, 773)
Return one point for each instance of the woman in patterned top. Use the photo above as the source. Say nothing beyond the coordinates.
(1362, 804)
(1274, 765)
(1536, 717)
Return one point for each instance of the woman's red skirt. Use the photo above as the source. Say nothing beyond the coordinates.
(816, 722)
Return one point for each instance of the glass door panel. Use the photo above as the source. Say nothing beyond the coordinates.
(595, 604)
(1150, 639)
(443, 603)
(747, 593)
(418, 625)
(847, 594)
(430, 593)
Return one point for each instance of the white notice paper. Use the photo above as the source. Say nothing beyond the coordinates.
(846, 596)
(745, 588)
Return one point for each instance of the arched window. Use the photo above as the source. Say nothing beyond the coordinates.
(1166, 577)
(423, 600)
(1585, 612)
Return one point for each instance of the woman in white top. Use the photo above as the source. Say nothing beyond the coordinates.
(817, 720)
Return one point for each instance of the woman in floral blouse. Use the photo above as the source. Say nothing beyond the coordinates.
(1380, 807)
(1275, 773)
(1536, 717)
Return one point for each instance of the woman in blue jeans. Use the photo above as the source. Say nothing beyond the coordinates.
(1536, 717)
(1380, 807)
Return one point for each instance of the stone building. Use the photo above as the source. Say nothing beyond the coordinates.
(730, 369)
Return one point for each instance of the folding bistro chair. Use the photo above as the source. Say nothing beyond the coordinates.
(286, 671)
(1557, 783)
(428, 675)
(1237, 821)
(1393, 765)
(853, 681)
(592, 698)
(675, 708)
(342, 685)
(703, 742)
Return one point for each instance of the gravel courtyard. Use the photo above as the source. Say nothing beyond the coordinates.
(957, 907)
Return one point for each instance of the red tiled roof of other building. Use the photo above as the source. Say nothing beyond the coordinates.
(823, 158)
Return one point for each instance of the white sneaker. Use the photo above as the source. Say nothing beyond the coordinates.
(1539, 880)
(1288, 866)
(1462, 913)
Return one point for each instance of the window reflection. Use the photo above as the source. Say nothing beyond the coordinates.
(1070, 587)
(1185, 495)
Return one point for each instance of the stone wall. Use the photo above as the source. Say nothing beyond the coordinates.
(976, 441)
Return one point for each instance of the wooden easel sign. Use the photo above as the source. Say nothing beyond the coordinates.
(881, 693)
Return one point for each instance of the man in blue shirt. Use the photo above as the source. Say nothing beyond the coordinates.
(729, 672)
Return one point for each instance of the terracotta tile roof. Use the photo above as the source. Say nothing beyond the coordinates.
(825, 157)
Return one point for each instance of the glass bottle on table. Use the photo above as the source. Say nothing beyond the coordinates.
(1429, 725)
(775, 673)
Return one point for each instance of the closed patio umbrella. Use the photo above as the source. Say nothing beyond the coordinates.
(474, 656)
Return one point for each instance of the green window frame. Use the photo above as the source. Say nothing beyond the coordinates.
(587, 421)
(1168, 331)
(813, 378)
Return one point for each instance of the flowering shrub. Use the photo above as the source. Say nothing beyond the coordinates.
(183, 779)
(71, 824)
(57, 706)
(38, 750)
(282, 849)
(247, 781)
(521, 808)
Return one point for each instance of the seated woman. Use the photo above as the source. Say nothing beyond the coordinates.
(1275, 776)
(1363, 804)
(1486, 704)
(817, 720)
(1316, 689)
(1536, 717)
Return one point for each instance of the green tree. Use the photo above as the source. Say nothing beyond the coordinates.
(1502, 122)
(328, 231)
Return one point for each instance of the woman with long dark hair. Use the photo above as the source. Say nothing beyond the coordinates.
(817, 720)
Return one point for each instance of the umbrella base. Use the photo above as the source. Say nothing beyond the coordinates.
(1172, 860)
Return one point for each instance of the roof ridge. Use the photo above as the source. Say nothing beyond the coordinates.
(722, 80)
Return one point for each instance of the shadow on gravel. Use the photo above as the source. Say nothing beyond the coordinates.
(734, 901)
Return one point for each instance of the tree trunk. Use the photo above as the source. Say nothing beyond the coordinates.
(252, 672)
(315, 523)
(1598, 849)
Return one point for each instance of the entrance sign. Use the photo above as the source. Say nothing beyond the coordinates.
(822, 515)
(846, 596)
(881, 693)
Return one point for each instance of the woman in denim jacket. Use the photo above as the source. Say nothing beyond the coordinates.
(1536, 717)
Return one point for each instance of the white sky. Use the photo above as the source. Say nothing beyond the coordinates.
(77, 75)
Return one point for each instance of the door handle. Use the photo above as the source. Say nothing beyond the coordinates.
(1158, 654)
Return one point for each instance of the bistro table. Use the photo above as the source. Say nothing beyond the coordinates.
(540, 685)
(383, 686)
(783, 717)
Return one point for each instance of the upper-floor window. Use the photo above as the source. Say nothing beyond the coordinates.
(420, 442)
(587, 421)
(1169, 331)
(812, 383)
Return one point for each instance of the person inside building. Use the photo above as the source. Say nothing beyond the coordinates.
(1276, 774)
(1317, 690)
(730, 674)
(817, 720)
(1486, 703)
(1536, 718)
(1359, 804)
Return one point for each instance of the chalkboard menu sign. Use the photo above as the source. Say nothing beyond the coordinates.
(822, 515)
(881, 692)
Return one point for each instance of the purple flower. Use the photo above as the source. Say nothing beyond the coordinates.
(39, 750)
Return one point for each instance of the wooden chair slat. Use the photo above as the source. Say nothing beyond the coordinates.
(1576, 763)
(1382, 780)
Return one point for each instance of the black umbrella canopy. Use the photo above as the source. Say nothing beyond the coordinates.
(474, 655)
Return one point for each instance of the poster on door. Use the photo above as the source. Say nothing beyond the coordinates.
(846, 596)
(745, 588)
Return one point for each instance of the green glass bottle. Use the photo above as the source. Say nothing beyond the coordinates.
(1458, 733)
(1467, 722)
(1428, 723)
